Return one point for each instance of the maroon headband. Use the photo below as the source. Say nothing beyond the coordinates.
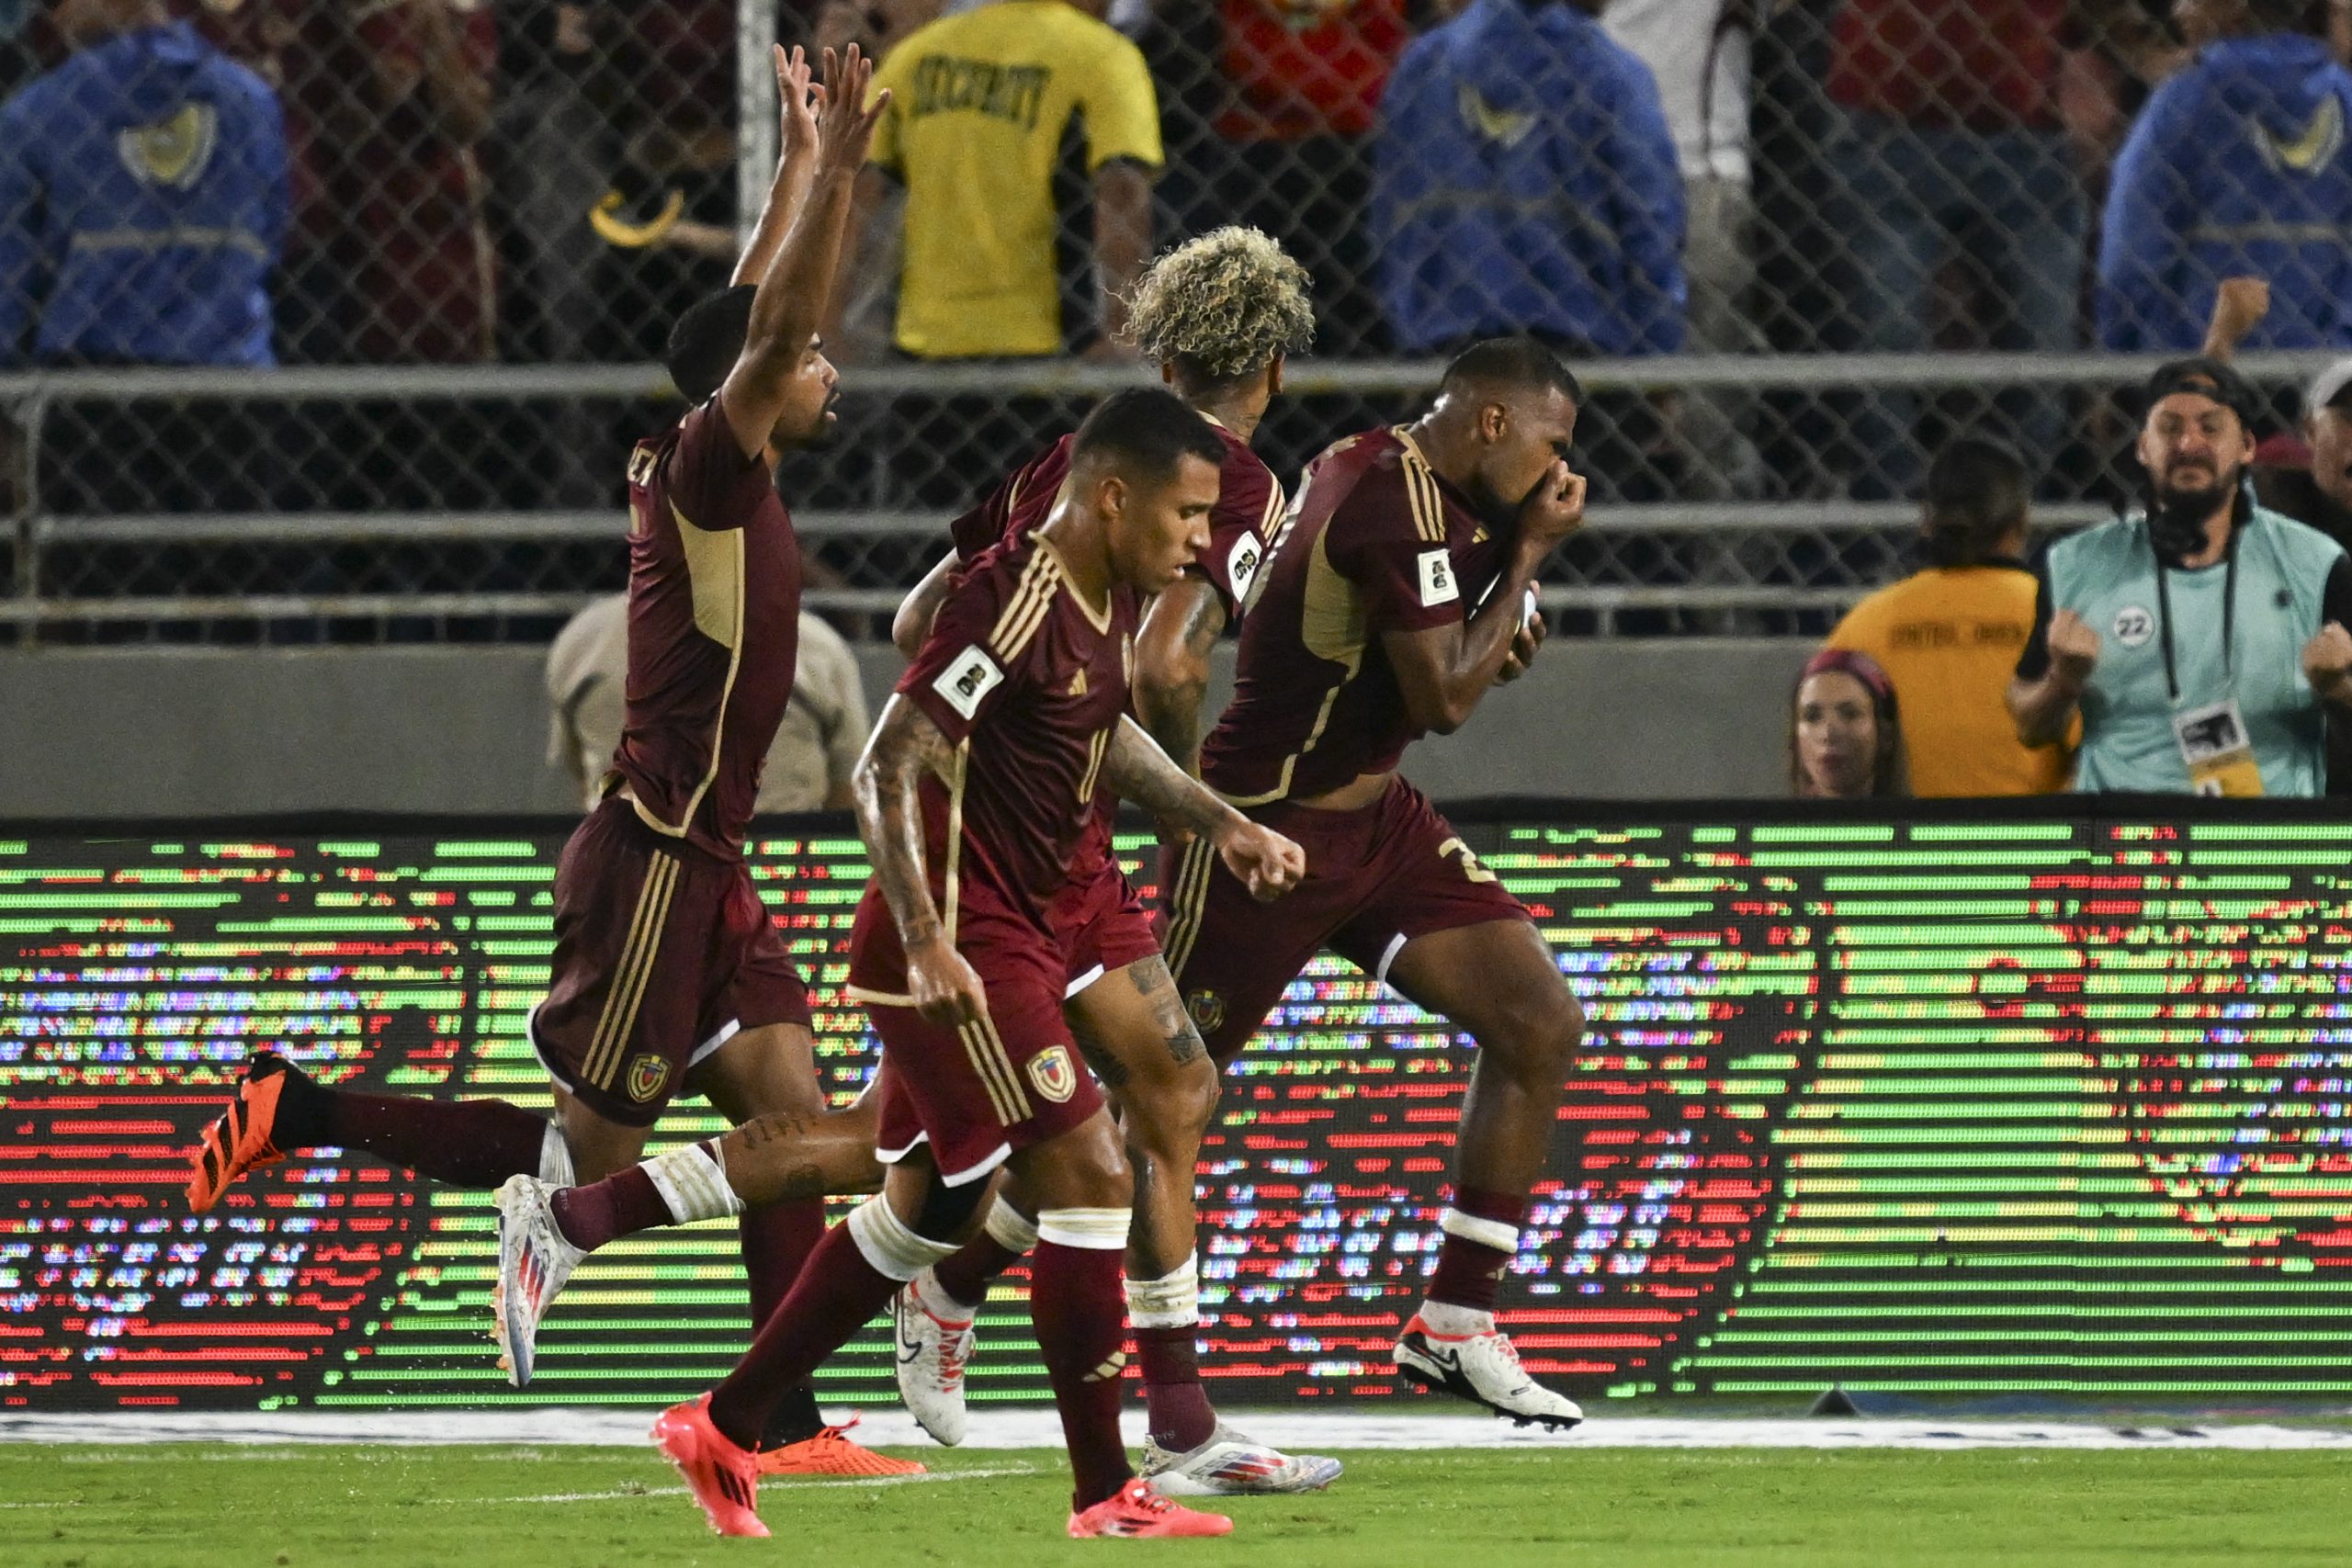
(1846, 661)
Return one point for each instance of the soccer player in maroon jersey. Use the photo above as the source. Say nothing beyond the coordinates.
(1219, 314)
(974, 795)
(667, 974)
(1364, 637)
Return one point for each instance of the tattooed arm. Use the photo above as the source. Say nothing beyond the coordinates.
(905, 744)
(1172, 666)
(1138, 770)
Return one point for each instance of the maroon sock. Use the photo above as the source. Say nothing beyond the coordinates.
(622, 1204)
(777, 1240)
(966, 1276)
(1470, 1273)
(1182, 1417)
(1079, 1309)
(836, 1293)
(466, 1143)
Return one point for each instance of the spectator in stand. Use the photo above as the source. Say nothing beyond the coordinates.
(1845, 731)
(1955, 145)
(1698, 51)
(1304, 81)
(1524, 181)
(981, 102)
(2319, 490)
(2237, 164)
(2203, 639)
(1949, 636)
(401, 95)
(142, 200)
(808, 763)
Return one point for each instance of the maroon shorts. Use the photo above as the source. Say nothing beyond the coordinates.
(1377, 877)
(660, 955)
(1102, 925)
(977, 1093)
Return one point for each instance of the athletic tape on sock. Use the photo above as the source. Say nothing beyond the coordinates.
(1009, 1228)
(1172, 1300)
(1103, 1230)
(885, 1242)
(554, 1157)
(1503, 1238)
(693, 1184)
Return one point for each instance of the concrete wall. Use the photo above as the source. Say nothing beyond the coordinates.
(225, 732)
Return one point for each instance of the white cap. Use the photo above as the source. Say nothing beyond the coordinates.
(2331, 385)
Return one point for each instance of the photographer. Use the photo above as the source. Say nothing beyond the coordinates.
(2202, 639)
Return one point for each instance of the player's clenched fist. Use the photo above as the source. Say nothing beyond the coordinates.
(945, 988)
(1555, 509)
(2074, 647)
(1267, 864)
(2328, 663)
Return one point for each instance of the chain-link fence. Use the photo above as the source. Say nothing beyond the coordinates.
(427, 248)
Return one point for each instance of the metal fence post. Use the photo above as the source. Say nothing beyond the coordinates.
(755, 112)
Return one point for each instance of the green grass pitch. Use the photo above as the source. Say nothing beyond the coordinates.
(183, 1506)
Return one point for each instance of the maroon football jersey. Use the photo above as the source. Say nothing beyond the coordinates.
(713, 630)
(1249, 504)
(1377, 542)
(1029, 682)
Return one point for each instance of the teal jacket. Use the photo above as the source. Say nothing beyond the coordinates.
(2291, 580)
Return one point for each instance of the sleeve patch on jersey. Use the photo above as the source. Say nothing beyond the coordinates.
(1437, 586)
(1241, 565)
(963, 683)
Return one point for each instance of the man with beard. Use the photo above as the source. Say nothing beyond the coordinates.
(2202, 640)
(1398, 590)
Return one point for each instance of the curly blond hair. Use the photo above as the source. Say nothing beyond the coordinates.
(1222, 305)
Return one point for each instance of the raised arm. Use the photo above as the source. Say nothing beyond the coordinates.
(1122, 243)
(1443, 671)
(906, 744)
(796, 164)
(1172, 650)
(792, 294)
(1139, 770)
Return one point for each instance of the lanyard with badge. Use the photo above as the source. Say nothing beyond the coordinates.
(2212, 737)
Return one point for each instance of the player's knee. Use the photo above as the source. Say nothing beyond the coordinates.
(1538, 1031)
(1093, 1170)
(1171, 1122)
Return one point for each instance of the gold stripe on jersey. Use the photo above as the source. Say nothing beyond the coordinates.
(951, 872)
(1332, 626)
(1099, 619)
(1187, 899)
(993, 1066)
(1420, 488)
(1032, 598)
(715, 573)
(618, 1019)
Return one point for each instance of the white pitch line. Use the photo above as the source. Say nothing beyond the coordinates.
(775, 1487)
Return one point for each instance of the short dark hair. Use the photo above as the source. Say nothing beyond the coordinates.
(1517, 364)
(707, 340)
(1148, 429)
(1978, 493)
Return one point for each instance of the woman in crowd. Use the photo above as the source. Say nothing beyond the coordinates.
(1845, 736)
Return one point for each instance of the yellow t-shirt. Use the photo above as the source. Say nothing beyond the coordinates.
(1949, 640)
(980, 103)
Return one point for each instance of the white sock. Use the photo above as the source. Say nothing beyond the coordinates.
(694, 1184)
(1103, 1230)
(1444, 1317)
(1009, 1228)
(1172, 1300)
(885, 1242)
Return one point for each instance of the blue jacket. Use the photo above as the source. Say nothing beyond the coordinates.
(2239, 164)
(1524, 180)
(142, 205)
